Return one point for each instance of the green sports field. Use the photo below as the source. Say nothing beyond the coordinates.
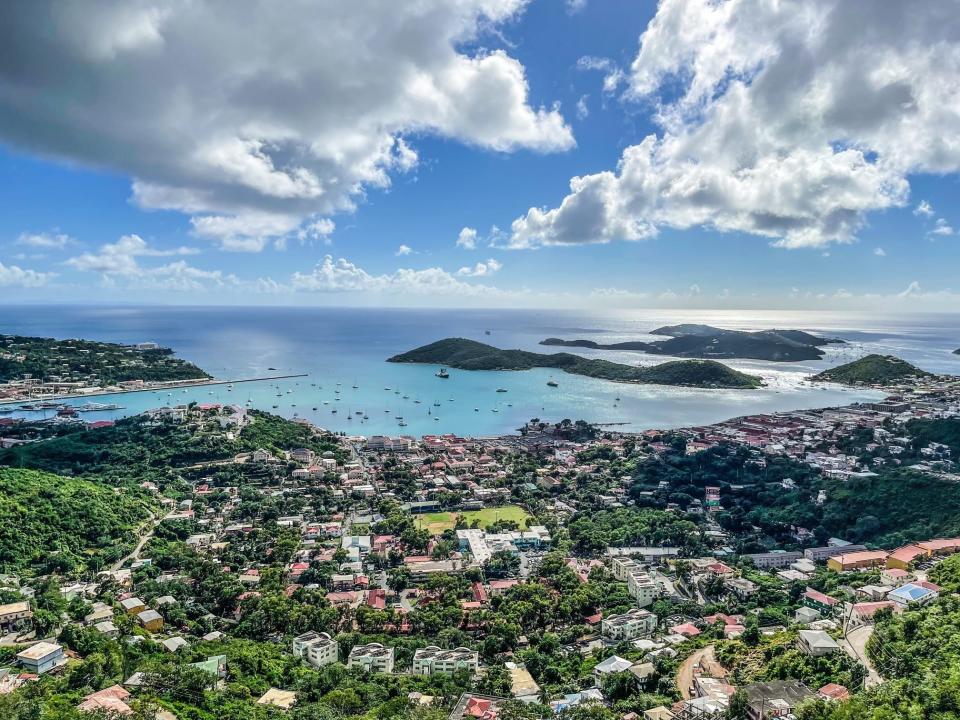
(437, 522)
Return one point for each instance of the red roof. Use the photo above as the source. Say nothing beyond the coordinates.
(819, 597)
(832, 691)
(867, 609)
(687, 629)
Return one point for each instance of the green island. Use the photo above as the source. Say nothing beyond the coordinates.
(873, 370)
(706, 341)
(472, 355)
(89, 363)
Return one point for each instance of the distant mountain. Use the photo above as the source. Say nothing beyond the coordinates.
(471, 355)
(957, 351)
(705, 341)
(872, 370)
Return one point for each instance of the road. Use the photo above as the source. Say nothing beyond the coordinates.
(703, 657)
(135, 553)
(855, 645)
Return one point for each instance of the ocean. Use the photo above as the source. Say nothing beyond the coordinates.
(340, 348)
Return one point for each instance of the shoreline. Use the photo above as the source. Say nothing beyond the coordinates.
(173, 384)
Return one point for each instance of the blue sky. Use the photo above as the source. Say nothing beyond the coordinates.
(824, 216)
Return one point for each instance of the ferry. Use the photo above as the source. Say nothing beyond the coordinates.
(442, 373)
(97, 407)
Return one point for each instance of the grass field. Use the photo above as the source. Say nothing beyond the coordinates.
(436, 523)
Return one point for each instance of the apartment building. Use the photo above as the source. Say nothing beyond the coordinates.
(633, 624)
(373, 657)
(317, 649)
(433, 660)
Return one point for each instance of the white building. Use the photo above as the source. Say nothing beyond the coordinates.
(432, 660)
(372, 658)
(318, 649)
(634, 623)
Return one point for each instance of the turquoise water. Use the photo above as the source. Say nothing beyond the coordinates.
(350, 346)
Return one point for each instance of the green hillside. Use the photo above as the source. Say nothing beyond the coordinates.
(471, 355)
(872, 370)
(53, 522)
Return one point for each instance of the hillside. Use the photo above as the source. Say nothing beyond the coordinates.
(705, 341)
(51, 521)
(471, 355)
(872, 370)
(90, 362)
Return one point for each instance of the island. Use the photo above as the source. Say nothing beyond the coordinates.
(706, 341)
(957, 351)
(472, 355)
(873, 370)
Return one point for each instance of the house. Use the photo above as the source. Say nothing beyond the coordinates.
(902, 558)
(175, 643)
(283, 699)
(432, 660)
(133, 605)
(107, 628)
(477, 707)
(824, 604)
(109, 702)
(913, 593)
(613, 664)
(372, 657)
(42, 658)
(215, 666)
(862, 613)
(832, 691)
(816, 643)
(630, 625)
(150, 620)
(776, 698)
(318, 649)
(894, 577)
(15, 617)
(806, 615)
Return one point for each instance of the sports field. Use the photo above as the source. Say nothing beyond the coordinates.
(436, 523)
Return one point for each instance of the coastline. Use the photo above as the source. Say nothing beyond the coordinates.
(173, 384)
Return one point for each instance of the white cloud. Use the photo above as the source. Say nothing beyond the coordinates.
(47, 240)
(341, 275)
(575, 6)
(120, 258)
(790, 120)
(15, 276)
(942, 227)
(481, 269)
(403, 250)
(613, 75)
(924, 208)
(253, 120)
(912, 290)
(879, 252)
(467, 239)
(583, 110)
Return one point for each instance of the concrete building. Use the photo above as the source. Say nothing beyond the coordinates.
(42, 658)
(857, 560)
(15, 617)
(433, 660)
(150, 620)
(317, 649)
(816, 643)
(372, 658)
(634, 623)
(773, 560)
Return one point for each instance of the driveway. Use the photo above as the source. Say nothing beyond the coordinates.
(855, 645)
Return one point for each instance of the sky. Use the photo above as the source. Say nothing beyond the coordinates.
(494, 153)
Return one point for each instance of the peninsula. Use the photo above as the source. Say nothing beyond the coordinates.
(471, 355)
(873, 370)
(706, 341)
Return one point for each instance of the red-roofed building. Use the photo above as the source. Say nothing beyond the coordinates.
(832, 691)
(902, 557)
(479, 593)
(819, 601)
(862, 613)
(686, 629)
(377, 599)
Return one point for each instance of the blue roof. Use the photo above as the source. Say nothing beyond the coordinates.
(911, 592)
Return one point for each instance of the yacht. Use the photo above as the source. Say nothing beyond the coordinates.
(553, 383)
(442, 373)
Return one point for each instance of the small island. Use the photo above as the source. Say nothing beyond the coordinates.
(957, 351)
(706, 341)
(873, 370)
(472, 355)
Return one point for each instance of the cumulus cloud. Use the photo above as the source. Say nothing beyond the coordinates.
(403, 250)
(879, 252)
(613, 75)
(15, 276)
(942, 227)
(254, 121)
(923, 208)
(481, 269)
(791, 121)
(46, 240)
(467, 238)
(341, 275)
(120, 258)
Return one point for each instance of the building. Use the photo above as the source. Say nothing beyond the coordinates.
(150, 620)
(776, 698)
(15, 617)
(133, 605)
(816, 643)
(822, 554)
(634, 623)
(477, 707)
(913, 594)
(857, 560)
(862, 613)
(775, 559)
(903, 557)
(822, 603)
(317, 649)
(522, 685)
(433, 660)
(109, 701)
(613, 664)
(283, 699)
(42, 658)
(373, 657)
